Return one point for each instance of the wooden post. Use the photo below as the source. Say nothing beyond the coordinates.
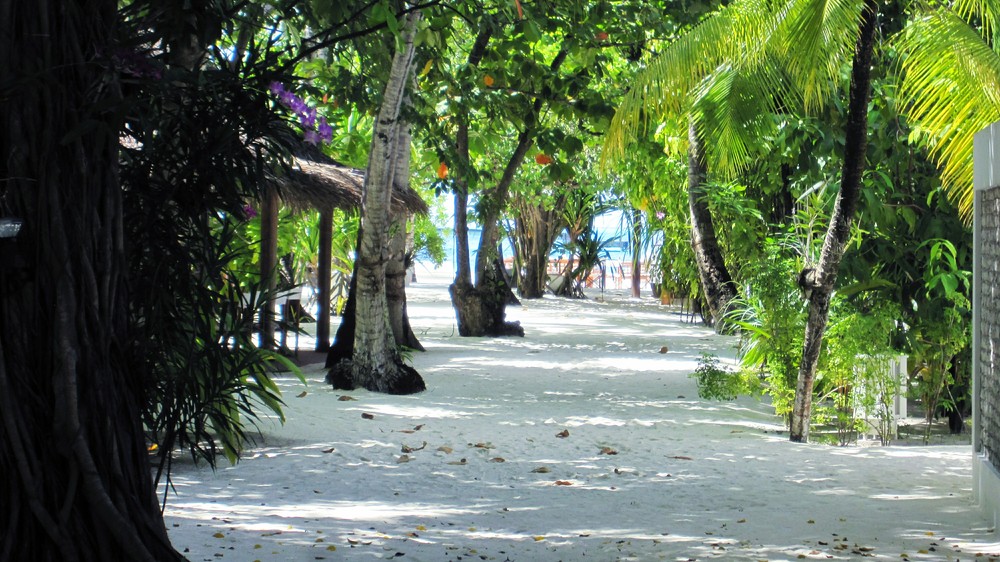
(268, 264)
(324, 279)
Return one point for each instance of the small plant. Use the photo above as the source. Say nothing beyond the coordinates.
(719, 383)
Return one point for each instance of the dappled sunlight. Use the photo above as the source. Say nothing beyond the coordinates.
(584, 440)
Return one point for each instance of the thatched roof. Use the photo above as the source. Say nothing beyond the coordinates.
(316, 181)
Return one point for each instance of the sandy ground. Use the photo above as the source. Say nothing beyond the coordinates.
(580, 441)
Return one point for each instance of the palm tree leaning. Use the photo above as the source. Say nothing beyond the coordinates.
(771, 55)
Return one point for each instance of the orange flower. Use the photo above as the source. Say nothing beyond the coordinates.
(488, 80)
(601, 36)
(442, 171)
(542, 159)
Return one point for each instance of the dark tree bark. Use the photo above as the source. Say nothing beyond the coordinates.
(818, 284)
(717, 284)
(76, 475)
(636, 278)
(324, 274)
(375, 363)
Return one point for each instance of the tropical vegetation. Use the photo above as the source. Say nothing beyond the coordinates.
(146, 149)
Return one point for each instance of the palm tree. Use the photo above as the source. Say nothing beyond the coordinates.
(773, 55)
(950, 87)
(375, 363)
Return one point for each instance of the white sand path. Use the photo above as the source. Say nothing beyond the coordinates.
(491, 480)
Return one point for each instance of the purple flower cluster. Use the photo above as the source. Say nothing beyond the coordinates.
(315, 126)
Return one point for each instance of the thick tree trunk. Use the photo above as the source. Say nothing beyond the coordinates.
(636, 253)
(76, 476)
(716, 282)
(818, 284)
(376, 364)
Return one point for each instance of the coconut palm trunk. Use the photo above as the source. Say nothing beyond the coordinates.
(375, 363)
(716, 282)
(399, 256)
(76, 480)
(818, 284)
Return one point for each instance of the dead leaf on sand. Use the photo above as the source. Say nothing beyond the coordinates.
(346, 398)
(608, 451)
(462, 462)
(563, 483)
(368, 416)
(498, 459)
(682, 458)
(330, 450)
(301, 394)
(542, 470)
(482, 445)
(664, 349)
(563, 434)
(403, 458)
(408, 449)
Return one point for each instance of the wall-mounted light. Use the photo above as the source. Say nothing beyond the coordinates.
(10, 226)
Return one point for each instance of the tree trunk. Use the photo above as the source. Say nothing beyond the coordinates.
(395, 289)
(268, 264)
(76, 476)
(375, 363)
(480, 308)
(399, 259)
(636, 278)
(818, 284)
(536, 230)
(716, 282)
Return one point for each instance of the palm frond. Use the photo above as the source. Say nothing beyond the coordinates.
(731, 107)
(739, 34)
(819, 39)
(950, 89)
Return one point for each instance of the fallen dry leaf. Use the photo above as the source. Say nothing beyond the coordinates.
(682, 458)
(301, 394)
(219, 536)
(459, 463)
(498, 459)
(563, 434)
(408, 449)
(403, 458)
(483, 445)
(346, 398)
(330, 450)
(445, 449)
(368, 416)
(563, 483)
(664, 349)
(542, 470)
(418, 427)
(608, 451)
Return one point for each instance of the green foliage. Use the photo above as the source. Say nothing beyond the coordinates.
(853, 377)
(719, 383)
(770, 318)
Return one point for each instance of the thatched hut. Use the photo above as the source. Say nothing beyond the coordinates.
(316, 181)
